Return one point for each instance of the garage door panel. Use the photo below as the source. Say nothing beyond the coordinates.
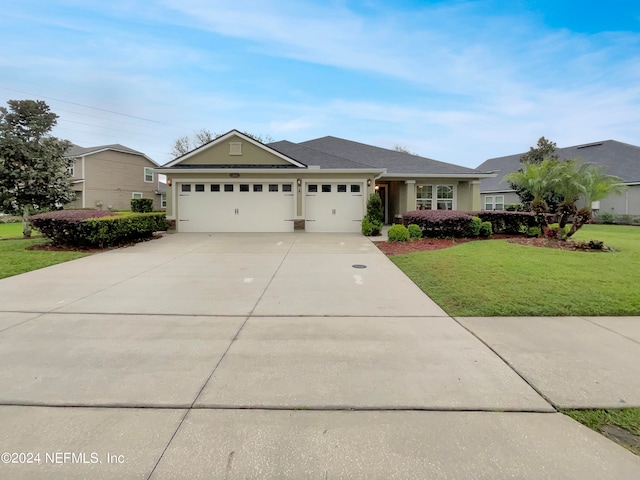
(334, 207)
(237, 207)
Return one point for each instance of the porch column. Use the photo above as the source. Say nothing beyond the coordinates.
(474, 192)
(410, 198)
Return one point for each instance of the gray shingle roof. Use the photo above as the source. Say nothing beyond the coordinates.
(620, 159)
(76, 150)
(310, 156)
(396, 163)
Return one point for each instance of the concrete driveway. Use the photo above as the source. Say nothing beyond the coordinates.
(265, 356)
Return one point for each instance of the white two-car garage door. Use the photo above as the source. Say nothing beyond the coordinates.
(334, 206)
(235, 207)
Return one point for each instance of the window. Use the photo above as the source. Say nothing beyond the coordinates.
(186, 187)
(228, 187)
(442, 200)
(257, 188)
(326, 188)
(494, 202)
(163, 200)
(355, 188)
(136, 195)
(287, 187)
(424, 197)
(312, 188)
(244, 187)
(71, 170)
(445, 197)
(342, 188)
(215, 187)
(148, 174)
(273, 187)
(199, 187)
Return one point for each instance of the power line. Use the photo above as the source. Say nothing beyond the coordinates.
(87, 106)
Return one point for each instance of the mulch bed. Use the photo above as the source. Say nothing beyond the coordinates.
(400, 248)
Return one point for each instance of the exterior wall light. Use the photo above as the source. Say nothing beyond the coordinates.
(169, 182)
(368, 182)
(299, 181)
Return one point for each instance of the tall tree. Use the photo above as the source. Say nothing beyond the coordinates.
(33, 169)
(187, 143)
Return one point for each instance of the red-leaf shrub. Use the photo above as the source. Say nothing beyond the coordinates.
(87, 228)
(61, 226)
(441, 223)
(509, 223)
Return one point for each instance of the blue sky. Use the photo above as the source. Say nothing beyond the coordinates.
(457, 81)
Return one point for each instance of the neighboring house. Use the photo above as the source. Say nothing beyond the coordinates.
(109, 176)
(620, 159)
(237, 184)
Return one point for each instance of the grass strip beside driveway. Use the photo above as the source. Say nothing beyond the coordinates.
(16, 259)
(627, 419)
(497, 278)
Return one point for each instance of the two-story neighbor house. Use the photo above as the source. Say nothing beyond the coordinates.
(617, 158)
(107, 177)
(237, 184)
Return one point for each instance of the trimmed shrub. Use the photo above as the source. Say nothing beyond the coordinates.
(514, 207)
(86, 229)
(509, 223)
(374, 208)
(370, 227)
(476, 225)
(398, 233)
(486, 230)
(533, 232)
(440, 223)
(142, 205)
(415, 232)
(61, 227)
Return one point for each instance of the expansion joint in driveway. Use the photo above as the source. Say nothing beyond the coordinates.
(221, 358)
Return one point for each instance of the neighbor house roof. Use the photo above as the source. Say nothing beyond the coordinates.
(396, 163)
(78, 151)
(620, 159)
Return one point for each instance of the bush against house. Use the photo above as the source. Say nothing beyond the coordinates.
(97, 229)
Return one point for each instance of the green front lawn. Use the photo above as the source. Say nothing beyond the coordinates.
(17, 259)
(11, 230)
(497, 278)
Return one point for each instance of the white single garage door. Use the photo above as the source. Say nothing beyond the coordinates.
(235, 207)
(334, 206)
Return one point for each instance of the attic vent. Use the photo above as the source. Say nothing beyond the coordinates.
(235, 148)
(590, 145)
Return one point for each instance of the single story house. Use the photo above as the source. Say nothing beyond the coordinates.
(619, 159)
(107, 177)
(237, 184)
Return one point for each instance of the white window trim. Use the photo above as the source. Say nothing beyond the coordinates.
(135, 195)
(163, 200)
(145, 174)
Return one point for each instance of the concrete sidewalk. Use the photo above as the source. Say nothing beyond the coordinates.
(291, 356)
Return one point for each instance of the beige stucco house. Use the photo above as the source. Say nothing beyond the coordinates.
(107, 177)
(237, 184)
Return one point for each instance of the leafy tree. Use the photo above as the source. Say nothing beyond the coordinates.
(545, 149)
(187, 143)
(33, 168)
(400, 148)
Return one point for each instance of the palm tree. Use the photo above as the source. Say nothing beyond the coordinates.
(540, 179)
(595, 185)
